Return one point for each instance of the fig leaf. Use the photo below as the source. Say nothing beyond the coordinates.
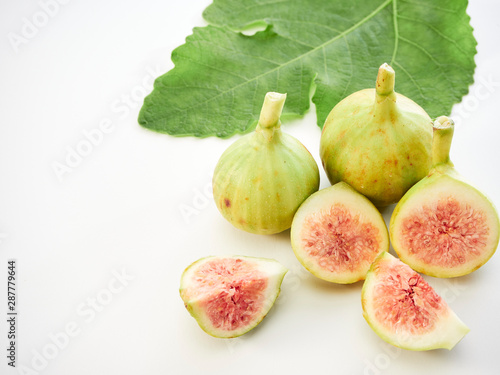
(320, 48)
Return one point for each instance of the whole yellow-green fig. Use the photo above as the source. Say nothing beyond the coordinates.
(378, 141)
(261, 179)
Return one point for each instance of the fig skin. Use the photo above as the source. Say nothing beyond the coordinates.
(378, 141)
(261, 179)
(445, 184)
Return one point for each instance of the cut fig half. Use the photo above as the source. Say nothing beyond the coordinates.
(337, 233)
(443, 226)
(405, 311)
(230, 295)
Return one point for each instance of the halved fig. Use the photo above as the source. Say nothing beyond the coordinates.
(230, 295)
(337, 233)
(405, 311)
(443, 226)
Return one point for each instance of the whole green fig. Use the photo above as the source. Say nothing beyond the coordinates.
(261, 179)
(378, 141)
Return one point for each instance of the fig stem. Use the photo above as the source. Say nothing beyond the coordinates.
(443, 129)
(386, 78)
(385, 97)
(270, 114)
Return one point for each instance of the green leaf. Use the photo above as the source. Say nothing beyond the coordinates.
(329, 48)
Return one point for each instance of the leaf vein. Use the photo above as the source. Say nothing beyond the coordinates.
(415, 83)
(245, 9)
(446, 10)
(215, 68)
(334, 39)
(396, 30)
(306, 22)
(352, 72)
(429, 55)
(239, 52)
(436, 30)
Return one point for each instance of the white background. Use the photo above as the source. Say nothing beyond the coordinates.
(119, 211)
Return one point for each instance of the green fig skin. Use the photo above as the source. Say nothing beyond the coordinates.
(378, 141)
(443, 181)
(261, 179)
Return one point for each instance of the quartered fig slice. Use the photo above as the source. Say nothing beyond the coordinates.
(405, 311)
(337, 233)
(443, 226)
(230, 295)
